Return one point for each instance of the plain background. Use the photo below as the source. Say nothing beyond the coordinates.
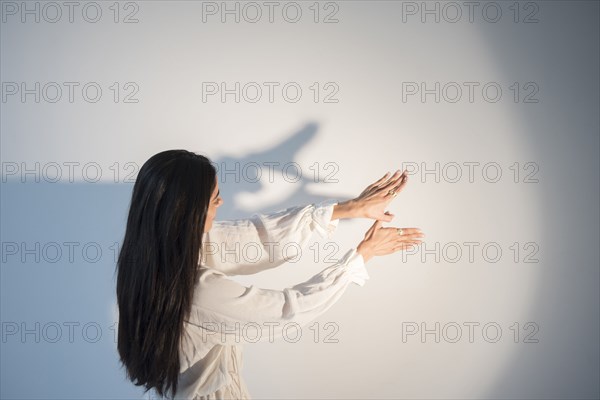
(58, 312)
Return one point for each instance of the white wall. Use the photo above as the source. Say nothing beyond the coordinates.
(370, 57)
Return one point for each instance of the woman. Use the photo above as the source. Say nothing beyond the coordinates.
(180, 317)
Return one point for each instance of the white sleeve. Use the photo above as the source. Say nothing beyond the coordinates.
(225, 311)
(248, 246)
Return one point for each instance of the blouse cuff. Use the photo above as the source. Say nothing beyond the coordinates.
(355, 263)
(322, 214)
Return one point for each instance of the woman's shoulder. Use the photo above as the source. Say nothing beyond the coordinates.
(206, 272)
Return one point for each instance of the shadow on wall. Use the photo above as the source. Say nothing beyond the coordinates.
(241, 175)
(60, 244)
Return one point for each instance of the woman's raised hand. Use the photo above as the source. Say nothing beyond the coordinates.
(372, 202)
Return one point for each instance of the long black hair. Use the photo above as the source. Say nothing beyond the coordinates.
(158, 264)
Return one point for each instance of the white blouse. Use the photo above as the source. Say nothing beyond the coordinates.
(226, 314)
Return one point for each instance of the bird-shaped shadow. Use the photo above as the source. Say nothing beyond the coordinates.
(240, 175)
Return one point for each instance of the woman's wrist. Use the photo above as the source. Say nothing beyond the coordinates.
(364, 251)
(345, 209)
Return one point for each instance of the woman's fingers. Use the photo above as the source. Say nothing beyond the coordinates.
(396, 180)
(397, 184)
(378, 182)
(413, 241)
(387, 179)
(410, 231)
(382, 179)
(400, 185)
(393, 238)
(386, 183)
(406, 232)
(411, 236)
(387, 217)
